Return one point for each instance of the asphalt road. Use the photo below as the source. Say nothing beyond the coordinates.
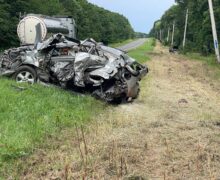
(132, 45)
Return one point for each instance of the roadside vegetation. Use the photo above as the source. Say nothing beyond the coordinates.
(141, 53)
(30, 114)
(34, 117)
(92, 21)
(209, 61)
(199, 37)
(199, 40)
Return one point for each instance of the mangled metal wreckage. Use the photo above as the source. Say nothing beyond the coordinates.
(108, 73)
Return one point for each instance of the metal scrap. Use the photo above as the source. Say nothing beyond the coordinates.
(106, 72)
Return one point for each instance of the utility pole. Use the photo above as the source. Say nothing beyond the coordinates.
(160, 35)
(214, 32)
(173, 33)
(186, 23)
(168, 34)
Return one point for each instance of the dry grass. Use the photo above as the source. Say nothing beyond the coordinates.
(171, 132)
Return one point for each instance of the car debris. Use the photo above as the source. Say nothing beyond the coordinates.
(108, 73)
(173, 49)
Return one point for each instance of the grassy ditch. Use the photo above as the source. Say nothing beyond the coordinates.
(30, 114)
(210, 61)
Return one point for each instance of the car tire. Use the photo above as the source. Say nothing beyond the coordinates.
(25, 74)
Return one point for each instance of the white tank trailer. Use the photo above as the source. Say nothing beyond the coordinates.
(27, 30)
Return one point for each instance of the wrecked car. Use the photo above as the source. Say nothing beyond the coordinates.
(108, 73)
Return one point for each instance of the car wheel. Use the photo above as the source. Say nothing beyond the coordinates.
(25, 74)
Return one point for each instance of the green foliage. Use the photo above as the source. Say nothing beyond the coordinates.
(28, 116)
(140, 35)
(92, 21)
(199, 32)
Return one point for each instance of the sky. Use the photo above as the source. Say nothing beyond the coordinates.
(141, 13)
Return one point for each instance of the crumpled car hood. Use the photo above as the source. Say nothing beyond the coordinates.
(108, 73)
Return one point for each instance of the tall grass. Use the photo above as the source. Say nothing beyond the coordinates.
(27, 116)
(207, 60)
(210, 60)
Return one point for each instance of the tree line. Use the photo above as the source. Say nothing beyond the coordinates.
(92, 21)
(199, 32)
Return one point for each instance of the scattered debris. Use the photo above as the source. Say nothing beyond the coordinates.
(217, 124)
(183, 101)
(108, 73)
(173, 49)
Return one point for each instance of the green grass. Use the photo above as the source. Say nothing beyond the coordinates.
(210, 61)
(122, 43)
(28, 116)
(140, 54)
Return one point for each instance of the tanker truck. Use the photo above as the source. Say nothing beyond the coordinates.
(27, 32)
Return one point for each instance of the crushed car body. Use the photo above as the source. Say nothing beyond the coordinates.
(108, 73)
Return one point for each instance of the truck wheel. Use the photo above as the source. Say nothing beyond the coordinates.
(25, 74)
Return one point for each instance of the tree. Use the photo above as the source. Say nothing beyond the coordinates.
(92, 21)
(199, 33)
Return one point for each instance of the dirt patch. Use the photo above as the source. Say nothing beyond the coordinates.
(168, 133)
